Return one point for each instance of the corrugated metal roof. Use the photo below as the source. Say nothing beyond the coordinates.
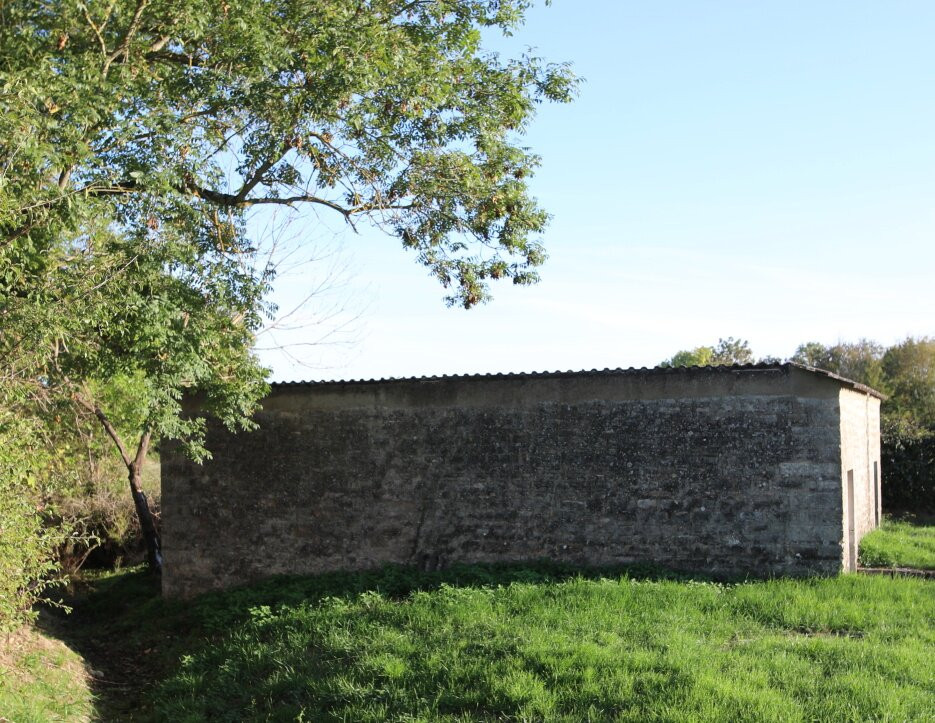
(762, 366)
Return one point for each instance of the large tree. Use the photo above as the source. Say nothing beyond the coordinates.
(137, 135)
(909, 370)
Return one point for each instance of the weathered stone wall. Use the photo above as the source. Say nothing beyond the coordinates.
(860, 451)
(733, 470)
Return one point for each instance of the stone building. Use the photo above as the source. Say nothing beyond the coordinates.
(768, 469)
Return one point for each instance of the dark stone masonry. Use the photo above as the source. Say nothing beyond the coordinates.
(764, 469)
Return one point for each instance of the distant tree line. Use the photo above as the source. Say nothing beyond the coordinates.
(726, 351)
(904, 372)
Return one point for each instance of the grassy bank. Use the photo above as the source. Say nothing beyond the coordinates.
(844, 649)
(42, 680)
(899, 544)
(530, 642)
(513, 643)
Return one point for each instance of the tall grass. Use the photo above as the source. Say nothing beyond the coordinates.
(500, 642)
(850, 648)
(899, 544)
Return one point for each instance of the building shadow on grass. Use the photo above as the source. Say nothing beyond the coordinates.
(132, 639)
(398, 582)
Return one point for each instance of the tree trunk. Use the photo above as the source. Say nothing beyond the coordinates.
(145, 516)
(135, 470)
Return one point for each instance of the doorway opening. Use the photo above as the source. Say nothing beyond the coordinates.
(851, 525)
(876, 494)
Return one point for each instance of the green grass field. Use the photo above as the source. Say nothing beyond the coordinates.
(899, 544)
(533, 642)
(853, 648)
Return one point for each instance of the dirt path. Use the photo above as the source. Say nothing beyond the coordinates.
(122, 661)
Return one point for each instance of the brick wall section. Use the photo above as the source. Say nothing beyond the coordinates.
(725, 471)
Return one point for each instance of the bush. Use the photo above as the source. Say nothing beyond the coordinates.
(908, 460)
(107, 529)
(28, 564)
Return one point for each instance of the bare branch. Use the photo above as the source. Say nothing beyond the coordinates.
(159, 44)
(230, 200)
(189, 61)
(65, 177)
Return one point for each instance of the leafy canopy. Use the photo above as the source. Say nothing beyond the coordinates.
(162, 113)
(138, 134)
(860, 360)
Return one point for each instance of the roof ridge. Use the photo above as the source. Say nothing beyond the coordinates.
(657, 370)
(543, 373)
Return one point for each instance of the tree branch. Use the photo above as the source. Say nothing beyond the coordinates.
(230, 200)
(98, 29)
(141, 449)
(65, 177)
(159, 44)
(189, 61)
(123, 50)
(109, 428)
(219, 198)
(260, 171)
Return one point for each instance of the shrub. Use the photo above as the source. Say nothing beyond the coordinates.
(908, 461)
(28, 564)
(907, 454)
(106, 528)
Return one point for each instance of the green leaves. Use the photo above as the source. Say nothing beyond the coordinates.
(332, 103)
(728, 351)
(27, 543)
(136, 135)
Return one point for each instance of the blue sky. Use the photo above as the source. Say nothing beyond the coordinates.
(762, 170)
